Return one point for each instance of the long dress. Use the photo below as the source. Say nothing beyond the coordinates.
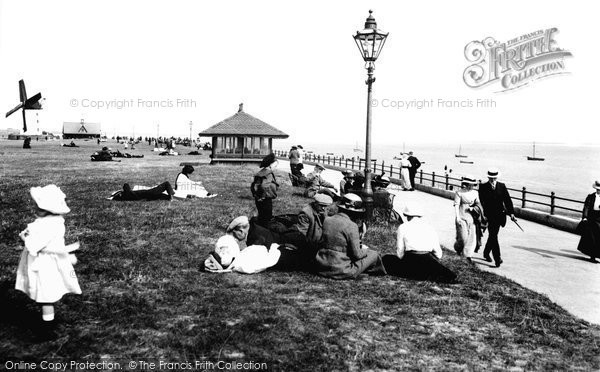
(45, 271)
(405, 174)
(466, 234)
(589, 243)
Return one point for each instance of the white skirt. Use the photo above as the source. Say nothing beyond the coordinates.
(45, 278)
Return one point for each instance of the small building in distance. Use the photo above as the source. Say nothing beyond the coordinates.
(8, 133)
(81, 130)
(241, 138)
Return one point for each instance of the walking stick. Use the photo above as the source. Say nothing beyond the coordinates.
(515, 221)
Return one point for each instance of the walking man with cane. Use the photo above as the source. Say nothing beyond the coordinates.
(496, 205)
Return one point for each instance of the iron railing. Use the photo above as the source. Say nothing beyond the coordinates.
(549, 203)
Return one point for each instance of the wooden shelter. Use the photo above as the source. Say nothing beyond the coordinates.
(241, 138)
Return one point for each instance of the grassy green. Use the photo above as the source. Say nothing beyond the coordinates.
(145, 297)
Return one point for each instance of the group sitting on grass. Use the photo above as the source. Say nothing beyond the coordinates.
(325, 238)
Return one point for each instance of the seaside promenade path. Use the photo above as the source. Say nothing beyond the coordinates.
(542, 259)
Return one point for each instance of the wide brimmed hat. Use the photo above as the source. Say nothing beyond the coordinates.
(412, 210)
(468, 179)
(241, 221)
(187, 169)
(352, 202)
(493, 173)
(319, 166)
(268, 160)
(348, 173)
(323, 199)
(227, 248)
(596, 185)
(50, 198)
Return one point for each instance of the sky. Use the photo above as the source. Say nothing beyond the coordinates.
(157, 65)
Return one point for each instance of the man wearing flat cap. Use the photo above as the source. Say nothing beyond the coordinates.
(316, 184)
(310, 221)
(496, 204)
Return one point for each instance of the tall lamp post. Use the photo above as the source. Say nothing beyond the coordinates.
(370, 42)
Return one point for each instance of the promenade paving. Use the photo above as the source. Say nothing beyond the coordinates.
(541, 258)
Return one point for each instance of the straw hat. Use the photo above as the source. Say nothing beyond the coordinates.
(50, 198)
(469, 180)
(493, 173)
(352, 202)
(412, 210)
(596, 185)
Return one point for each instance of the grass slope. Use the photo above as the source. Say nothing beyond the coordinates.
(144, 296)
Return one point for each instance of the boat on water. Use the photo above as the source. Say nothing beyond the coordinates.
(466, 162)
(460, 155)
(535, 158)
(356, 148)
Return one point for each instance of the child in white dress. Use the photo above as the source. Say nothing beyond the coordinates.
(45, 270)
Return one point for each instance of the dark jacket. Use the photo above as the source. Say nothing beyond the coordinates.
(415, 164)
(310, 224)
(264, 185)
(496, 203)
(339, 247)
(588, 205)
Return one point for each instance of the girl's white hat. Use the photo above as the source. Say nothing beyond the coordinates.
(50, 198)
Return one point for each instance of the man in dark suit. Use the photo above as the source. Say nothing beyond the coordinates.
(412, 171)
(496, 205)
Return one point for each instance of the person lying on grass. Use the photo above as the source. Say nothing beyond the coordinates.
(228, 257)
(185, 187)
(164, 191)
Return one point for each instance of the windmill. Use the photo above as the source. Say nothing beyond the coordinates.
(31, 103)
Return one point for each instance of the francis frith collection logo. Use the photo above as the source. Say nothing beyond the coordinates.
(514, 63)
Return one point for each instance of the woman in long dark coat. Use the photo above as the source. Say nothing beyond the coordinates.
(341, 254)
(590, 233)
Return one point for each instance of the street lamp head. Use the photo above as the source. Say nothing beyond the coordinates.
(370, 40)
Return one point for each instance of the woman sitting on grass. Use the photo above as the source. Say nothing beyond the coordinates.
(191, 189)
(341, 254)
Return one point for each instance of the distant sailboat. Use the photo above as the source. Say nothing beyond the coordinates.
(356, 148)
(459, 155)
(534, 157)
